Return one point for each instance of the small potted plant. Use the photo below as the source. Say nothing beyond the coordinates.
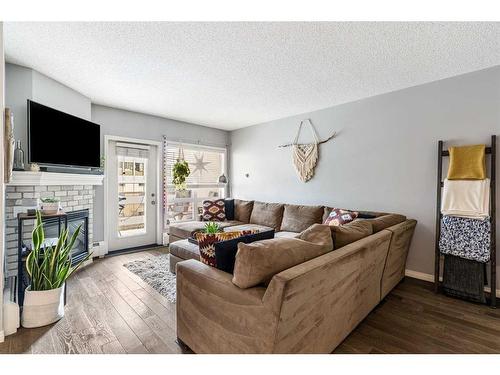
(180, 172)
(49, 206)
(212, 228)
(48, 268)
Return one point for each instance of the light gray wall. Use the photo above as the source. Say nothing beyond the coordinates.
(51, 93)
(384, 157)
(18, 89)
(124, 123)
(24, 83)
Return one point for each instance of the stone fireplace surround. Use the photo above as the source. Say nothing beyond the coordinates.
(75, 191)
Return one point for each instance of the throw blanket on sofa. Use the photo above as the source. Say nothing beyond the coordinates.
(465, 238)
(466, 198)
(464, 278)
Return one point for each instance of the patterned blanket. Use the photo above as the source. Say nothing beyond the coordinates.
(465, 238)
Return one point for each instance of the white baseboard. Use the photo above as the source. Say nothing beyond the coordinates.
(419, 275)
(429, 277)
(99, 249)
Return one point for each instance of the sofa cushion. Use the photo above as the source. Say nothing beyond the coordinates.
(386, 221)
(267, 214)
(258, 262)
(188, 228)
(351, 232)
(298, 218)
(214, 210)
(242, 210)
(225, 251)
(283, 234)
(260, 228)
(340, 216)
(206, 244)
(184, 249)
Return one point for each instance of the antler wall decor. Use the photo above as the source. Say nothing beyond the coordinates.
(305, 155)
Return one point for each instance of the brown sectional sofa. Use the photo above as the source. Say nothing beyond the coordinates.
(308, 308)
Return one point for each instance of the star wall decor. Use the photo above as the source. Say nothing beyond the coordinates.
(199, 164)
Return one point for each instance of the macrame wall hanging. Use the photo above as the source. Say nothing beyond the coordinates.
(305, 155)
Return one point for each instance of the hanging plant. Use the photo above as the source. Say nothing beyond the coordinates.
(180, 172)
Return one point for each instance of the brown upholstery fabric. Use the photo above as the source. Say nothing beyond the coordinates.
(242, 210)
(260, 228)
(299, 218)
(386, 221)
(215, 316)
(184, 249)
(398, 253)
(285, 234)
(327, 297)
(186, 229)
(259, 261)
(350, 232)
(268, 214)
(309, 308)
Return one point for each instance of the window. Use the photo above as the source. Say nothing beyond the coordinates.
(131, 192)
(206, 165)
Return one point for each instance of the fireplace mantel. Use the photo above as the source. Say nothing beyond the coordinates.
(20, 178)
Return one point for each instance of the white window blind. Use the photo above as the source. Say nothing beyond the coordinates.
(207, 164)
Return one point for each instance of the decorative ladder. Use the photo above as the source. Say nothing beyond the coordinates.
(437, 261)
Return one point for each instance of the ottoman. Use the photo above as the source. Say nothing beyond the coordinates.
(182, 250)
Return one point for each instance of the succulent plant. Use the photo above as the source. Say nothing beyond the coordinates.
(212, 227)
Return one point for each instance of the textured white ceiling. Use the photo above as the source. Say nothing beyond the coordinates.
(231, 75)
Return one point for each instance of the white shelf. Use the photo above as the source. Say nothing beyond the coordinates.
(51, 178)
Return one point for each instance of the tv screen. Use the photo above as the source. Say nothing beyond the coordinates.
(58, 138)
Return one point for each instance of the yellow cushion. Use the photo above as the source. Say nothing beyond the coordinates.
(467, 163)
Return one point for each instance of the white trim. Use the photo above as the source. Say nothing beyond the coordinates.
(159, 183)
(132, 145)
(2, 185)
(429, 277)
(176, 142)
(99, 248)
(52, 178)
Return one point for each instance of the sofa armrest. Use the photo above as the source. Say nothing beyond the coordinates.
(216, 316)
(216, 282)
(324, 298)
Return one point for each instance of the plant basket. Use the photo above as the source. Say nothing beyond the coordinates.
(183, 194)
(43, 307)
(49, 208)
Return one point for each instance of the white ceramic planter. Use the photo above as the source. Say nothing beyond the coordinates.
(43, 307)
(183, 194)
(49, 208)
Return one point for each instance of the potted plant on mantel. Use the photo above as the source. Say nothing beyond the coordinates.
(48, 266)
(49, 206)
(180, 172)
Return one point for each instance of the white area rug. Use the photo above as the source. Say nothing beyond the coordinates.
(155, 271)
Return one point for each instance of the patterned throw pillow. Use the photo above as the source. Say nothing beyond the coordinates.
(340, 217)
(214, 210)
(206, 243)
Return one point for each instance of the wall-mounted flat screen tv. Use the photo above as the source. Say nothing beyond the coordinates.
(56, 138)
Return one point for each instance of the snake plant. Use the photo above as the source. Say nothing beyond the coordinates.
(50, 266)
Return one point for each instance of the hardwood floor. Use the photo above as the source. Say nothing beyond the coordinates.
(111, 310)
